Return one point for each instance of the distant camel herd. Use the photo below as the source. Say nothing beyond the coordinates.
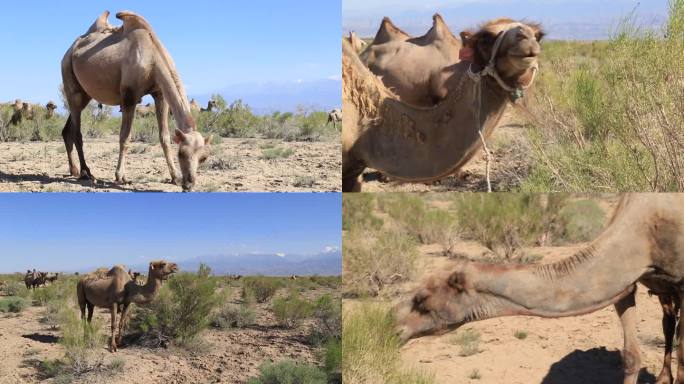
(22, 110)
(34, 279)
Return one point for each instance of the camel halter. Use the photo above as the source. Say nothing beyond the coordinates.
(515, 93)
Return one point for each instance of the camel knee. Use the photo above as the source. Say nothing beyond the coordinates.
(631, 362)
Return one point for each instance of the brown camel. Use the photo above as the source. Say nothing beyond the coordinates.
(334, 116)
(134, 275)
(417, 144)
(52, 277)
(116, 290)
(413, 69)
(194, 107)
(50, 109)
(29, 277)
(118, 66)
(356, 43)
(644, 242)
(22, 110)
(211, 104)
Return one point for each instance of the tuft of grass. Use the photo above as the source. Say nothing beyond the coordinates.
(475, 374)
(286, 372)
(13, 304)
(332, 361)
(370, 349)
(307, 181)
(234, 316)
(276, 153)
(469, 342)
(520, 335)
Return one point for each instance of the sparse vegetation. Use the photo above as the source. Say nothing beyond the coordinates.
(234, 316)
(287, 372)
(475, 374)
(468, 341)
(276, 153)
(370, 349)
(259, 288)
(13, 304)
(520, 335)
(291, 309)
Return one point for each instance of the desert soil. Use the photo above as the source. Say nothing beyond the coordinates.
(583, 349)
(510, 164)
(229, 356)
(235, 165)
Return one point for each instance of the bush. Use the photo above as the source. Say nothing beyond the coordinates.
(13, 304)
(332, 361)
(328, 314)
(357, 212)
(288, 372)
(259, 288)
(291, 310)
(16, 288)
(179, 313)
(440, 227)
(407, 210)
(370, 349)
(234, 316)
(581, 221)
(373, 260)
(469, 342)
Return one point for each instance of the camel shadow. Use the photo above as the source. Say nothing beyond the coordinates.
(41, 338)
(593, 366)
(46, 180)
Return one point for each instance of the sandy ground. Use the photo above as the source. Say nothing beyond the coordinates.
(235, 165)
(510, 164)
(583, 349)
(230, 356)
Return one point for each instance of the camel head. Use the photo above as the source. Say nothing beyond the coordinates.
(516, 57)
(442, 304)
(193, 150)
(162, 269)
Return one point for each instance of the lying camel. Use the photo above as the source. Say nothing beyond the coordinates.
(335, 116)
(211, 104)
(644, 242)
(116, 290)
(414, 68)
(118, 66)
(417, 144)
(50, 109)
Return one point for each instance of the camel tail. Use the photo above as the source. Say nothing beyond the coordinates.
(134, 21)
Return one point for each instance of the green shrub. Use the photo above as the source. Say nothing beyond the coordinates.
(370, 349)
(373, 260)
(16, 288)
(440, 227)
(332, 361)
(328, 314)
(407, 210)
(291, 310)
(234, 316)
(180, 311)
(276, 153)
(288, 372)
(469, 342)
(357, 212)
(259, 288)
(581, 221)
(13, 304)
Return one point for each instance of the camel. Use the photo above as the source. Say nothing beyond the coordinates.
(116, 290)
(419, 144)
(50, 109)
(29, 277)
(144, 110)
(356, 43)
(194, 107)
(134, 275)
(118, 66)
(51, 278)
(41, 279)
(335, 116)
(414, 69)
(644, 242)
(22, 110)
(211, 104)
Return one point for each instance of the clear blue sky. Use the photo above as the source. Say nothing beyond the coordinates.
(563, 19)
(54, 231)
(214, 43)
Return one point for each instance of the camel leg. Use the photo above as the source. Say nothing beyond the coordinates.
(77, 99)
(162, 111)
(124, 139)
(122, 322)
(680, 347)
(631, 360)
(351, 170)
(112, 343)
(91, 310)
(669, 322)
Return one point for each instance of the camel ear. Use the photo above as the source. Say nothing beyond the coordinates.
(179, 137)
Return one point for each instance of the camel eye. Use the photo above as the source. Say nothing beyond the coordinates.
(420, 302)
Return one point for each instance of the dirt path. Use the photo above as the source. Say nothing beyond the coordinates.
(229, 356)
(235, 165)
(510, 164)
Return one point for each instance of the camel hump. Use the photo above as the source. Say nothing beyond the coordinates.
(132, 20)
(439, 31)
(100, 24)
(389, 32)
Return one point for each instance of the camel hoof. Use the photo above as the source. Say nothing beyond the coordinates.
(122, 180)
(85, 175)
(176, 180)
(74, 172)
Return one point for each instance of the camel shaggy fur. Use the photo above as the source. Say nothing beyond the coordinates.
(644, 242)
(116, 290)
(118, 66)
(423, 144)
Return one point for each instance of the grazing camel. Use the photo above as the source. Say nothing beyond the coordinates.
(211, 104)
(356, 43)
(116, 290)
(293, 277)
(334, 116)
(414, 69)
(50, 109)
(644, 242)
(118, 67)
(419, 144)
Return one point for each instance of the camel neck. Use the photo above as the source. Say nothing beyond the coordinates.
(174, 95)
(594, 277)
